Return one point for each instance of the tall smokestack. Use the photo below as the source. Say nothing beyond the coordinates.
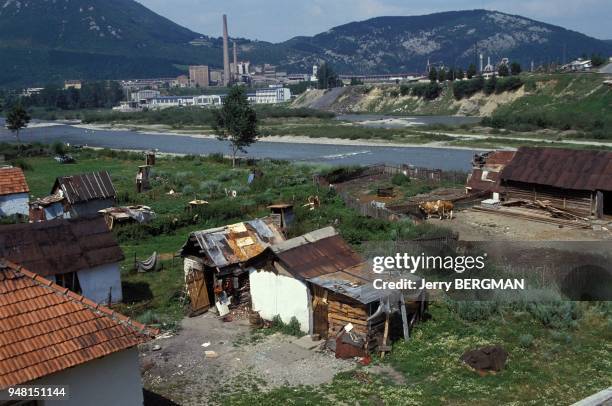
(226, 68)
(235, 60)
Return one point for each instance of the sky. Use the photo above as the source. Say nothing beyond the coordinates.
(279, 20)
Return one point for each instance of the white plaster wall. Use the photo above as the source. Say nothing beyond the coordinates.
(281, 295)
(14, 204)
(112, 380)
(96, 282)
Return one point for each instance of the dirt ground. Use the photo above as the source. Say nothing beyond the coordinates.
(180, 370)
(479, 226)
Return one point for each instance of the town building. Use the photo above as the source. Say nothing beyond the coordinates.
(270, 95)
(217, 261)
(199, 76)
(143, 96)
(13, 192)
(576, 181)
(181, 81)
(84, 194)
(578, 65)
(72, 84)
(164, 102)
(79, 254)
(52, 336)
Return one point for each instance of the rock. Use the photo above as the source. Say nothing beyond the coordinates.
(489, 358)
(211, 354)
(156, 347)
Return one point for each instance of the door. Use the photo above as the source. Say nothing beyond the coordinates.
(319, 305)
(198, 292)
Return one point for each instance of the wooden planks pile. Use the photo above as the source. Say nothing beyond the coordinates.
(534, 215)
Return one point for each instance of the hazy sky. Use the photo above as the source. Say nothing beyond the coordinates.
(279, 20)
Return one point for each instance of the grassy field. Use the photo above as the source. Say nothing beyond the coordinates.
(545, 366)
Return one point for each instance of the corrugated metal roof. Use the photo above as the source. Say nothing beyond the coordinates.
(561, 168)
(12, 180)
(45, 328)
(85, 187)
(235, 243)
(318, 253)
(60, 246)
(357, 283)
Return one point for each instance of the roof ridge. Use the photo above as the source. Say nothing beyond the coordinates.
(75, 297)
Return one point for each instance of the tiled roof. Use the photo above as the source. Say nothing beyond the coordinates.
(12, 180)
(85, 187)
(60, 246)
(45, 328)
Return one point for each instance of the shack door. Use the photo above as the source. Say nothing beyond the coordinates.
(319, 305)
(198, 293)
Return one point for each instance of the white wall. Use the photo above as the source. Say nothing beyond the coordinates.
(96, 282)
(112, 380)
(273, 294)
(16, 203)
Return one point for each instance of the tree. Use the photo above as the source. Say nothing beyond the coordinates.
(597, 60)
(327, 78)
(433, 75)
(236, 121)
(503, 70)
(17, 119)
(460, 74)
(515, 68)
(451, 74)
(441, 75)
(471, 71)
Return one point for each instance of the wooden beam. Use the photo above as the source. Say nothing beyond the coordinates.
(404, 318)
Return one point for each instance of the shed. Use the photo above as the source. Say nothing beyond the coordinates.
(578, 181)
(283, 215)
(13, 192)
(79, 254)
(217, 260)
(85, 194)
(51, 336)
(486, 169)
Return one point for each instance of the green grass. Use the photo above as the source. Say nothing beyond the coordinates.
(557, 367)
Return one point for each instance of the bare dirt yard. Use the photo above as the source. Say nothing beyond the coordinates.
(481, 226)
(177, 367)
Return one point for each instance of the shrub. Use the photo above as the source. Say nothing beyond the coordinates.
(427, 91)
(526, 340)
(557, 314)
(400, 179)
(292, 328)
(467, 88)
(508, 84)
(476, 310)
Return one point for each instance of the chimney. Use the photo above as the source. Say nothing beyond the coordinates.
(481, 67)
(226, 68)
(235, 60)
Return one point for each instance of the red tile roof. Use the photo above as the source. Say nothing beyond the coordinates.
(45, 328)
(12, 180)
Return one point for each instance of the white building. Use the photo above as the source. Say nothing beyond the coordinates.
(77, 344)
(143, 96)
(165, 102)
(13, 192)
(270, 95)
(79, 254)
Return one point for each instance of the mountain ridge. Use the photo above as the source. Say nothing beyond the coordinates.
(52, 40)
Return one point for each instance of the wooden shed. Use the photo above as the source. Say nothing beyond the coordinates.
(577, 181)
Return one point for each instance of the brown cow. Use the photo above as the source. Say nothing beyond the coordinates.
(443, 208)
(428, 208)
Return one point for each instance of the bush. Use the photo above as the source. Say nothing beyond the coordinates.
(476, 310)
(292, 328)
(557, 314)
(508, 84)
(526, 340)
(400, 179)
(427, 91)
(467, 88)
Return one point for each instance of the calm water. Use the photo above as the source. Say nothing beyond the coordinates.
(442, 158)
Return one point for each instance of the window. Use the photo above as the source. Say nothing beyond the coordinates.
(69, 280)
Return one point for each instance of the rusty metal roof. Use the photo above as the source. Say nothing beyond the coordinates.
(60, 246)
(318, 253)
(235, 243)
(85, 187)
(45, 328)
(12, 180)
(561, 168)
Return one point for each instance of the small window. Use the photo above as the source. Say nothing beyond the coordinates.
(69, 280)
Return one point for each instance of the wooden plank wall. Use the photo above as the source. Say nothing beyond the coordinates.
(578, 202)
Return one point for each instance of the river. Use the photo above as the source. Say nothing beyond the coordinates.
(441, 158)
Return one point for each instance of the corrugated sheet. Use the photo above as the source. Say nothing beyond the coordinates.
(12, 180)
(60, 246)
(315, 258)
(234, 243)
(561, 168)
(85, 187)
(45, 328)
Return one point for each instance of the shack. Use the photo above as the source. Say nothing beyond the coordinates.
(217, 261)
(13, 192)
(85, 194)
(486, 168)
(79, 254)
(322, 282)
(576, 181)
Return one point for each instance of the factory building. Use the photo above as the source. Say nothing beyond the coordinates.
(199, 76)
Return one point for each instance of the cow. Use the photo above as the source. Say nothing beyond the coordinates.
(443, 208)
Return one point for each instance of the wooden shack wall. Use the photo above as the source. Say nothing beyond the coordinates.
(579, 202)
(343, 310)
